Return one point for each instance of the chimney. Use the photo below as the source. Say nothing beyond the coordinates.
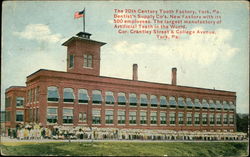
(135, 73)
(174, 77)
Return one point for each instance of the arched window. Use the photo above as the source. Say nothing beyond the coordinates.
(109, 97)
(189, 103)
(181, 102)
(52, 93)
(68, 95)
(153, 101)
(96, 97)
(226, 105)
(143, 100)
(205, 104)
(132, 99)
(172, 101)
(218, 105)
(121, 99)
(83, 96)
(197, 103)
(163, 101)
(211, 104)
(232, 106)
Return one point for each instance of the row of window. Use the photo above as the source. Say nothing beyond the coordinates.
(33, 95)
(197, 118)
(33, 115)
(87, 61)
(83, 97)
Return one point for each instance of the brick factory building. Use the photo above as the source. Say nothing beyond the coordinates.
(81, 97)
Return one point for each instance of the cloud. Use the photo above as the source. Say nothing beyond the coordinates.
(203, 49)
(125, 47)
(39, 32)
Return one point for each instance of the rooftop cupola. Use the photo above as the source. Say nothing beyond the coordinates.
(83, 54)
(84, 35)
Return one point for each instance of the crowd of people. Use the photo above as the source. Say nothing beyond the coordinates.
(37, 131)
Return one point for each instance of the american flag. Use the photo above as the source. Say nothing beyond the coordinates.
(79, 14)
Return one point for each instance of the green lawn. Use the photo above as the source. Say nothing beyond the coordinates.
(126, 148)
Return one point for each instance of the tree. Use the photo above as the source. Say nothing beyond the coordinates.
(242, 122)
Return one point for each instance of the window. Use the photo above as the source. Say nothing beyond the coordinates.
(96, 116)
(180, 118)
(87, 61)
(132, 117)
(197, 103)
(37, 94)
(163, 101)
(163, 117)
(204, 118)
(225, 119)
(211, 119)
(205, 104)
(109, 98)
(19, 116)
(97, 97)
(68, 95)
(232, 106)
(211, 104)
(121, 99)
(52, 115)
(181, 102)
(172, 118)
(32, 95)
(29, 96)
(121, 117)
(71, 61)
(231, 119)
(143, 100)
(19, 101)
(82, 117)
(7, 116)
(109, 116)
(153, 101)
(189, 103)
(7, 102)
(52, 94)
(172, 101)
(218, 119)
(132, 99)
(226, 105)
(83, 96)
(143, 117)
(37, 115)
(189, 118)
(67, 115)
(218, 104)
(196, 118)
(153, 118)
(30, 114)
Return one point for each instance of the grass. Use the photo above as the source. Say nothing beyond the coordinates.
(125, 149)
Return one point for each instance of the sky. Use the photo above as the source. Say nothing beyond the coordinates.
(33, 31)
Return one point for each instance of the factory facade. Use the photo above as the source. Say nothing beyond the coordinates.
(81, 97)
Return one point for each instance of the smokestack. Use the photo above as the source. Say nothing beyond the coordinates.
(135, 72)
(174, 77)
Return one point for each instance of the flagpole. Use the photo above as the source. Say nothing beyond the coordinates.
(84, 20)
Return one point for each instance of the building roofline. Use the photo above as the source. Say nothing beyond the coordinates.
(66, 43)
(13, 87)
(165, 84)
